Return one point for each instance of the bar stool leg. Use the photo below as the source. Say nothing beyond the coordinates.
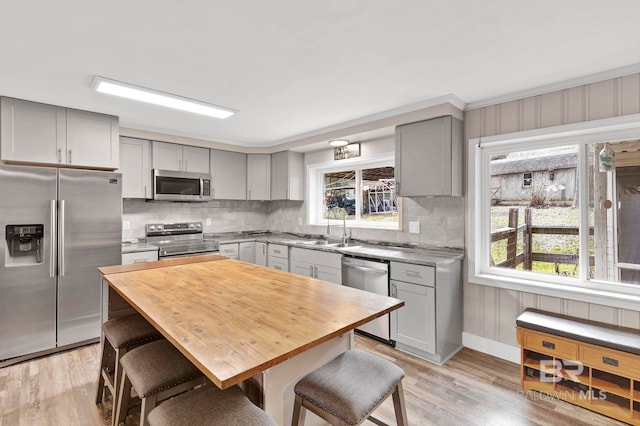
(297, 419)
(103, 365)
(124, 397)
(399, 405)
(148, 404)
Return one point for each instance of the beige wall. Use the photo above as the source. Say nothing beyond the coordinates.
(490, 312)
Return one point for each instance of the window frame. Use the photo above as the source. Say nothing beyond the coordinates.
(479, 268)
(315, 190)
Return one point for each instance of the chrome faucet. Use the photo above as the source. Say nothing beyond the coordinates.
(344, 229)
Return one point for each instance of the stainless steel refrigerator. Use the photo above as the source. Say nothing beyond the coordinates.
(57, 226)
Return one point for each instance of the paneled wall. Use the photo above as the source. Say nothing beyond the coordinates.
(490, 312)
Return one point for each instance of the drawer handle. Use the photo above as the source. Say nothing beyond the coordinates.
(610, 361)
(277, 251)
(548, 345)
(413, 274)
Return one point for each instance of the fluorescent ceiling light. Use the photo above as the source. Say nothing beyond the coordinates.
(339, 142)
(129, 91)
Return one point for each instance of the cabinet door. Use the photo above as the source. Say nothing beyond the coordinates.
(327, 273)
(300, 267)
(258, 177)
(281, 264)
(135, 166)
(261, 254)
(415, 323)
(92, 139)
(246, 252)
(32, 132)
(166, 156)
(428, 157)
(229, 175)
(195, 159)
(287, 176)
(229, 250)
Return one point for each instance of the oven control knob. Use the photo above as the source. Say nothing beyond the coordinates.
(151, 228)
(191, 225)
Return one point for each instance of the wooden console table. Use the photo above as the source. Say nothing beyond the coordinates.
(589, 364)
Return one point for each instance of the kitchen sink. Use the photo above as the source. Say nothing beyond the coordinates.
(348, 244)
(324, 243)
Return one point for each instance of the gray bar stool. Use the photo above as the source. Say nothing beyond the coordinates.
(348, 389)
(157, 371)
(120, 335)
(209, 405)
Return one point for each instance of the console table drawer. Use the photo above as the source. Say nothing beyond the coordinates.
(550, 345)
(611, 360)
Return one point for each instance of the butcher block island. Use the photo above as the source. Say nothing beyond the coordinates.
(241, 323)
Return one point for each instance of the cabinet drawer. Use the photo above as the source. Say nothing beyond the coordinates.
(550, 345)
(279, 250)
(611, 360)
(139, 257)
(417, 274)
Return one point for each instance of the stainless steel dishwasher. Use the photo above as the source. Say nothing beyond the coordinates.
(369, 275)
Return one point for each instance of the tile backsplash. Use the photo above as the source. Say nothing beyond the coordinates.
(226, 216)
(441, 219)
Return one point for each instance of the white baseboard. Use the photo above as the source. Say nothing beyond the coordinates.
(491, 347)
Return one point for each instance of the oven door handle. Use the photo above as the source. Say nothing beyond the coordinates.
(366, 269)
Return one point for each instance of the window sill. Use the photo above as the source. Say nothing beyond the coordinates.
(613, 295)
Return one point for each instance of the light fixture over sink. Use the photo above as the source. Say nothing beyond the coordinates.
(130, 91)
(338, 142)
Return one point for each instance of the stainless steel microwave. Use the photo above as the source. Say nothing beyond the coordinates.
(169, 185)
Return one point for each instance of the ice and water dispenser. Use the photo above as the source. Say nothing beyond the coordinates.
(24, 245)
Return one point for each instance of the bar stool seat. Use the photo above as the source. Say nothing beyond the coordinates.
(348, 389)
(209, 405)
(157, 371)
(120, 335)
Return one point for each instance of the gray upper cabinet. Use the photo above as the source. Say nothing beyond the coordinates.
(258, 177)
(38, 133)
(135, 166)
(287, 176)
(181, 158)
(428, 158)
(229, 175)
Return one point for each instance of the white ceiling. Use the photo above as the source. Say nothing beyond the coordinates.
(294, 68)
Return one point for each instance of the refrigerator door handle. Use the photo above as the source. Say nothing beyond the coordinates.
(52, 231)
(61, 241)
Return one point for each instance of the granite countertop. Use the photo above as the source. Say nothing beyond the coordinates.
(370, 249)
(136, 247)
(408, 253)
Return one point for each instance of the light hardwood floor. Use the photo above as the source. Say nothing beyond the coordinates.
(470, 389)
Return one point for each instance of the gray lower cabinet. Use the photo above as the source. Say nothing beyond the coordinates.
(140, 257)
(430, 323)
(228, 175)
(278, 257)
(429, 158)
(322, 265)
(247, 252)
(260, 253)
(229, 250)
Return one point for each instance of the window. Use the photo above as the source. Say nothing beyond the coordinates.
(362, 192)
(544, 215)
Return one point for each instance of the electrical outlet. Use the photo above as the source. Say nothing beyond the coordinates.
(414, 227)
(126, 225)
(208, 222)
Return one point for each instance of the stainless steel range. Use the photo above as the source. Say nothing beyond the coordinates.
(179, 239)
